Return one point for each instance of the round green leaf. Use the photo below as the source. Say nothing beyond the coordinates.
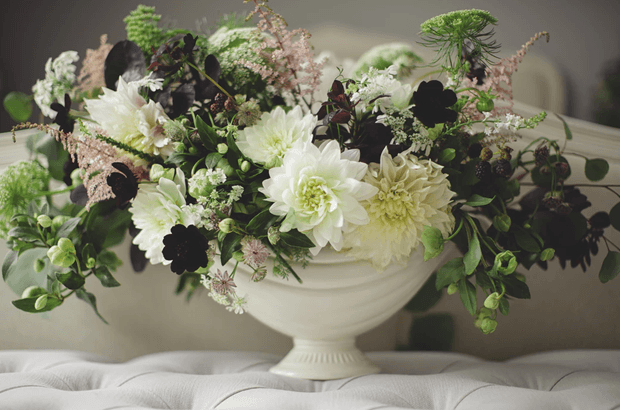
(18, 105)
(596, 169)
(446, 156)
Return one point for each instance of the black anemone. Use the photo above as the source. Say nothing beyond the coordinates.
(187, 248)
(63, 119)
(432, 102)
(124, 185)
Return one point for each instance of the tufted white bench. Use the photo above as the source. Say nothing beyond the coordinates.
(54, 379)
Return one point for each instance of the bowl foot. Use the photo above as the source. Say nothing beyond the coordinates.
(325, 360)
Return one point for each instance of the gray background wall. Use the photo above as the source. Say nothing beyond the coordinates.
(584, 34)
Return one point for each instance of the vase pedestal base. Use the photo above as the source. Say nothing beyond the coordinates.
(324, 360)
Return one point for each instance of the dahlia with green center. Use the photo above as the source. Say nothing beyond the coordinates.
(19, 184)
(412, 193)
(318, 191)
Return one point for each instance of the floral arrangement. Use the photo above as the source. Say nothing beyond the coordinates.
(221, 146)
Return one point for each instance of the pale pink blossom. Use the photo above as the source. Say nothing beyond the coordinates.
(254, 251)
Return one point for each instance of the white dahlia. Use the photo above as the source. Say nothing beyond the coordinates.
(155, 210)
(268, 141)
(128, 118)
(318, 191)
(411, 193)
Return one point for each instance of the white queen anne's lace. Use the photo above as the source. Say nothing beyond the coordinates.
(319, 190)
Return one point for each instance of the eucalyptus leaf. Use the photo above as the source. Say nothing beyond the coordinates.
(229, 245)
(451, 272)
(478, 200)
(446, 156)
(468, 295)
(296, 239)
(18, 105)
(432, 241)
(67, 227)
(596, 169)
(21, 274)
(28, 304)
(9, 259)
(472, 256)
(610, 267)
(124, 59)
(105, 277)
(91, 300)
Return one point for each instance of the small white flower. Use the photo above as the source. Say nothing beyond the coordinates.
(59, 78)
(379, 90)
(237, 306)
(128, 118)
(318, 191)
(270, 139)
(411, 193)
(155, 210)
(150, 81)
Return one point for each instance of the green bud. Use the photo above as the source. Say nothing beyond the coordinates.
(156, 172)
(66, 245)
(223, 148)
(485, 105)
(502, 222)
(484, 312)
(32, 291)
(527, 226)
(44, 220)
(238, 256)
(90, 263)
(193, 150)
(488, 325)
(505, 263)
(492, 301)
(180, 147)
(59, 257)
(226, 225)
(245, 166)
(41, 302)
(76, 177)
(273, 235)
(547, 254)
(452, 288)
(224, 165)
(58, 221)
(39, 264)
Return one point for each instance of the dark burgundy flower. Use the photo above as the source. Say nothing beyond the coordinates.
(187, 248)
(432, 102)
(124, 185)
(63, 119)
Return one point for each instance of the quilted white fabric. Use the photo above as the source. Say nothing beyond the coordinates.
(48, 379)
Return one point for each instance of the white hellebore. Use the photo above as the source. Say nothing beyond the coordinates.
(318, 191)
(412, 193)
(128, 118)
(155, 210)
(270, 139)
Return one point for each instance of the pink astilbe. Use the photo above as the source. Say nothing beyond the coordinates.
(92, 72)
(291, 66)
(94, 158)
(498, 81)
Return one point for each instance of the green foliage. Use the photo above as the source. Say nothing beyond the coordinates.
(610, 267)
(433, 332)
(426, 298)
(596, 169)
(18, 105)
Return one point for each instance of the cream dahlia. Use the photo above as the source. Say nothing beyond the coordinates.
(268, 141)
(411, 193)
(128, 118)
(318, 191)
(155, 210)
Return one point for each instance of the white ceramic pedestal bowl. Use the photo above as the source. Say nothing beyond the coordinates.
(339, 299)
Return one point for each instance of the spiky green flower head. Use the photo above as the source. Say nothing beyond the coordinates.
(449, 32)
(19, 184)
(142, 28)
(383, 56)
(234, 48)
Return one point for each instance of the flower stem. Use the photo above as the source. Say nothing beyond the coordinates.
(211, 79)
